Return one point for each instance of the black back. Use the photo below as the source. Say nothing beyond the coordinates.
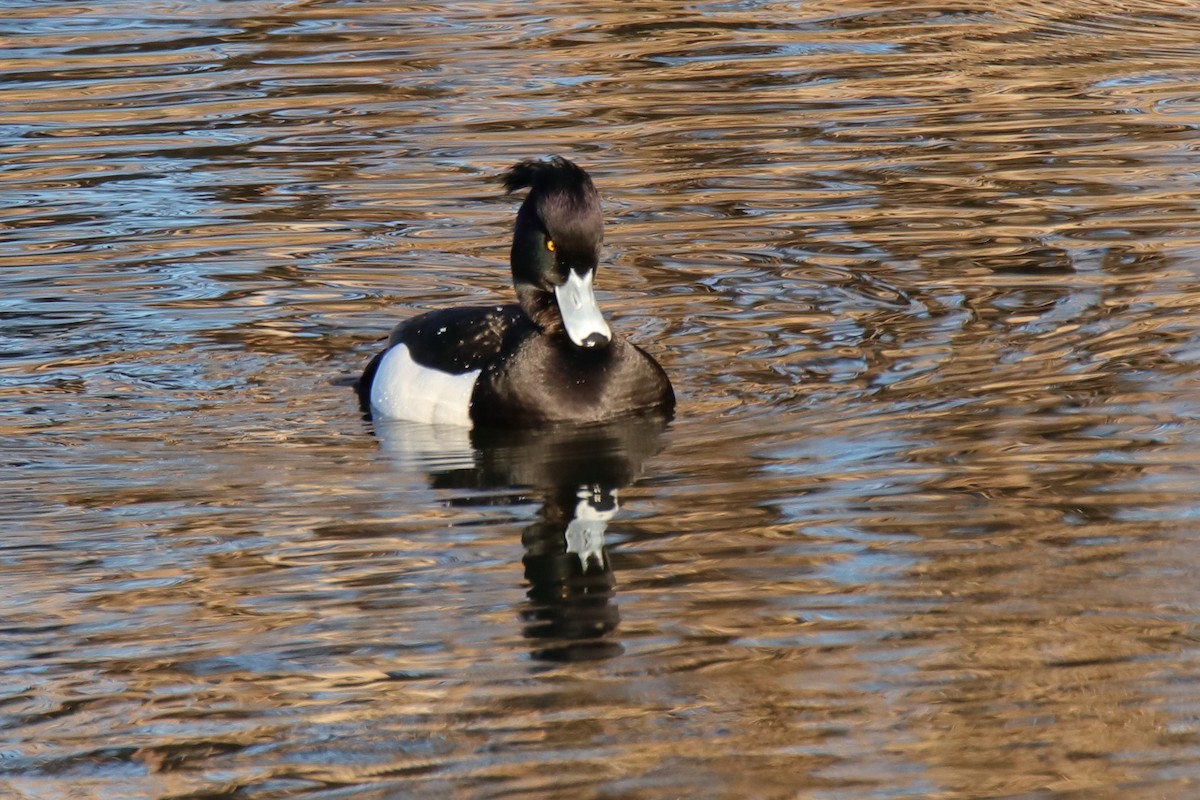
(458, 340)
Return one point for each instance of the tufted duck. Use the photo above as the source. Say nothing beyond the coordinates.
(550, 358)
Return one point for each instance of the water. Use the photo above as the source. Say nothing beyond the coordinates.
(925, 276)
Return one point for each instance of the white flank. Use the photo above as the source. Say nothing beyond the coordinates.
(403, 389)
(580, 314)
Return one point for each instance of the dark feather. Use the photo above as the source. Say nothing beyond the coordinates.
(458, 340)
(554, 174)
(362, 387)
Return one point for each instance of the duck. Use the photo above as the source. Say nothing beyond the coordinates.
(550, 358)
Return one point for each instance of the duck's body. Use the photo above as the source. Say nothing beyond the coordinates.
(551, 358)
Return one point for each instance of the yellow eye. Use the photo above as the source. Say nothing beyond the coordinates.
(550, 245)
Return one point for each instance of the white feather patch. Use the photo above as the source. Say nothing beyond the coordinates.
(403, 389)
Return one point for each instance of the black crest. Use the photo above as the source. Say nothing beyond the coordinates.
(563, 198)
(549, 176)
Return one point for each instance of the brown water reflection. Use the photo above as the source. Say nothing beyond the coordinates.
(923, 274)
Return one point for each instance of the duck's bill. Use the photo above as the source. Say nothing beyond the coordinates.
(581, 316)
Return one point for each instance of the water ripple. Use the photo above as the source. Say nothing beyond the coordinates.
(923, 275)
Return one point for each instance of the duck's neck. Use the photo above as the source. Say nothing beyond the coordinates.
(541, 307)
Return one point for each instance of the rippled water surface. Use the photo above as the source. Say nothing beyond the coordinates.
(926, 277)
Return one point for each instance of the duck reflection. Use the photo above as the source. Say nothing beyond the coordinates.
(576, 472)
(571, 583)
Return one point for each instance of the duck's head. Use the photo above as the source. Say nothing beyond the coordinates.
(556, 249)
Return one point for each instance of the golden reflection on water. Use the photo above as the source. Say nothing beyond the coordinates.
(924, 275)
